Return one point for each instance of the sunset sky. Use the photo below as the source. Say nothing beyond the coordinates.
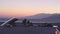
(17, 8)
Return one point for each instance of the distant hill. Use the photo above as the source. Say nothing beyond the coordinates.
(39, 16)
(54, 18)
(3, 19)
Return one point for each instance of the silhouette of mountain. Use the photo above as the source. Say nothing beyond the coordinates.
(39, 16)
(4, 18)
(50, 18)
(55, 18)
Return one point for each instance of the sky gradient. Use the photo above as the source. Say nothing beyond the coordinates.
(17, 8)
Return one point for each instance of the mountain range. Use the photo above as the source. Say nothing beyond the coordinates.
(39, 16)
(52, 18)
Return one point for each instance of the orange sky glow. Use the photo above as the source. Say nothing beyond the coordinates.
(21, 8)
